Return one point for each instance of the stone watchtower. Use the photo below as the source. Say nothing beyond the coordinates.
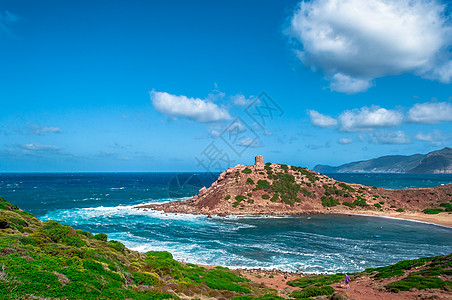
(259, 163)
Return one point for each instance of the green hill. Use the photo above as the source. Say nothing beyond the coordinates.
(51, 260)
(48, 260)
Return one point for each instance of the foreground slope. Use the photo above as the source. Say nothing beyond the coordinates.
(54, 261)
(281, 189)
(48, 260)
(439, 161)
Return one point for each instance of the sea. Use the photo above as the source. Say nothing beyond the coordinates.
(104, 202)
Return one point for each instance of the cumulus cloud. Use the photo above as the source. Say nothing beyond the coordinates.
(369, 118)
(430, 113)
(398, 137)
(195, 109)
(355, 41)
(436, 137)
(241, 100)
(344, 141)
(346, 84)
(320, 120)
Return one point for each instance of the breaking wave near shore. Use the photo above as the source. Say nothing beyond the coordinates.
(317, 243)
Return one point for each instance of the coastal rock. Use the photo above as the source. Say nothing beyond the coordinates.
(279, 189)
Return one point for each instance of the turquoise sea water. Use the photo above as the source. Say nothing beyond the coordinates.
(103, 202)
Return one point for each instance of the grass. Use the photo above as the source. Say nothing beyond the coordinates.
(44, 260)
(433, 211)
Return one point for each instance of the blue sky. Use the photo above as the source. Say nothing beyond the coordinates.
(159, 85)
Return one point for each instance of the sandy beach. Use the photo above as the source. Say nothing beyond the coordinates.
(441, 219)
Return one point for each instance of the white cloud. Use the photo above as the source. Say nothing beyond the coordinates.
(369, 118)
(38, 129)
(241, 100)
(191, 108)
(39, 147)
(355, 41)
(436, 137)
(398, 137)
(430, 113)
(344, 141)
(320, 120)
(346, 84)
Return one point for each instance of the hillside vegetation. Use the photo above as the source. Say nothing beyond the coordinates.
(51, 260)
(48, 260)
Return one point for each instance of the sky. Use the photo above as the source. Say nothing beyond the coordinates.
(147, 86)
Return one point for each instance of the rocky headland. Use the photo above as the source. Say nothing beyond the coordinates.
(279, 189)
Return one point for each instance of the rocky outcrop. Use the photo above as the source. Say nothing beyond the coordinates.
(281, 189)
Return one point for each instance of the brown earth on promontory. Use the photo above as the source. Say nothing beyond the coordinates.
(278, 189)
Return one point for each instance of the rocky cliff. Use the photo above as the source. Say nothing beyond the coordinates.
(283, 189)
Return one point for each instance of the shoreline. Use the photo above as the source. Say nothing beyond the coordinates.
(441, 219)
(437, 219)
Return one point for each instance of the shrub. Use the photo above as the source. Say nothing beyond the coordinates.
(59, 233)
(417, 282)
(349, 204)
(262, 184)
(360, 201)
(249, 194)
(101, 237)
(265, 196)
(433, 211)
(240, 198)
(377, 205)
(399, 210)
(329, 201)
(274, 198)
(118, 246)
(249, 181)
(227, 197)
(313, 291)
(246, 170)
(447, 206)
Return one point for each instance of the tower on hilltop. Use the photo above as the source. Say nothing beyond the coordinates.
(259, 163)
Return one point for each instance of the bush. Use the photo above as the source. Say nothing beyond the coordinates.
(118, 246)
(360, 201)
(447, 206)
(101, 237)
(262, 184)
(433, 211)
(377, 205)
(399, 210)
(274, 198)
(313, 291)
(240, 198)
(59, 233)
(329, 201)
(417, 282)
(349, 204)
(246, 170)
(227, 197)
(249, 181)
(265, 196)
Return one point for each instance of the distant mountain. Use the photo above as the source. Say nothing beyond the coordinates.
(439, 161)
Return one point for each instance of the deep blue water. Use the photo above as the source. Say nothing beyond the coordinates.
(103, 202)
